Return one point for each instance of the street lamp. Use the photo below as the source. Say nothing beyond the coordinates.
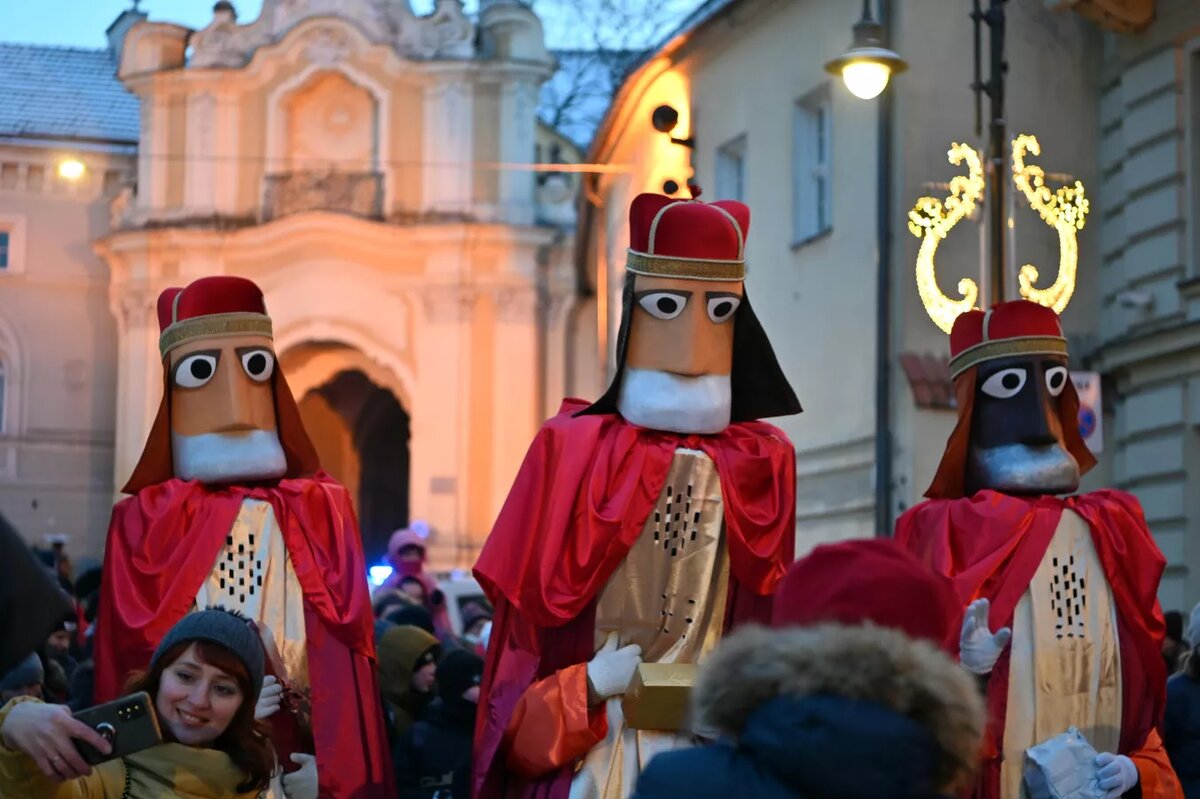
(71, 169)
(868, 65)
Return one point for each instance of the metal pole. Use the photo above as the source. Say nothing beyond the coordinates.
(997, 149)
(883, 303)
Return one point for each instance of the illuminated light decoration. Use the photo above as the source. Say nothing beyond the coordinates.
(1065, 210)
(71, 169)
(931, 220)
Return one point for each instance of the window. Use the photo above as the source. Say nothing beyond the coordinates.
(731, 170)
(12, 244)
(811, 179)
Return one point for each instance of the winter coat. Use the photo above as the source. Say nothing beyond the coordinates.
(830, 711)
(1181, 726)
(166, 770)
(433, 760)
(397, 653)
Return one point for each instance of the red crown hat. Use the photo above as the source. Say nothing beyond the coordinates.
(687, 239)
(1019, 327)
(210, 307)
(869, 580)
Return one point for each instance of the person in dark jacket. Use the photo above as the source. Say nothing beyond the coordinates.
(850, 705)
(407, 659)
(1181, 726)
(433, 761)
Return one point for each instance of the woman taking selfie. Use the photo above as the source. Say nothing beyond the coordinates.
(204, 680)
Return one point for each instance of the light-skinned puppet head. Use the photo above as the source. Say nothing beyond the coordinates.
(1018, 413)
(691, 355)
(227, 415)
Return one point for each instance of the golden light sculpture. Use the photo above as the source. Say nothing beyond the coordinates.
(1065, 209)
(931, 220)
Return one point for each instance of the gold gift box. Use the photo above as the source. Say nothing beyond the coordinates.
(658, 696)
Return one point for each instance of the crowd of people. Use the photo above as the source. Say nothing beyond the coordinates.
(850, 693)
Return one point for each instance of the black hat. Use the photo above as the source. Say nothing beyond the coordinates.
(458, 671)
(414, 615)
(224, 628)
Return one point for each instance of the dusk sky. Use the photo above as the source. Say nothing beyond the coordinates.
(81, 23)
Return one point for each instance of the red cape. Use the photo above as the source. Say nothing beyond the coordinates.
(162, 543)
(990, 545)
(576, 508)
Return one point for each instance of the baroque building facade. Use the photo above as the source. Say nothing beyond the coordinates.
(370, 169)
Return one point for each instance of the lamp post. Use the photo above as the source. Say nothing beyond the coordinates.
(868, 65)
(868, 56)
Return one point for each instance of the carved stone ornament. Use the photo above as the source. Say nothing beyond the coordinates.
(326, 46)
(358, 193)
(446, 33)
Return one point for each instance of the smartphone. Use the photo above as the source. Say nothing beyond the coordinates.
(129, 724)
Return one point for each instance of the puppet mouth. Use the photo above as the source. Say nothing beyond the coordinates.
(226, 457)
(1024, 469)
(660, 400)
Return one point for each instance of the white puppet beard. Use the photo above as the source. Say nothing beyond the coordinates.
(228, 457)
(666, 401)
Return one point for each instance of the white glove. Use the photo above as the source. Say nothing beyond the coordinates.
(301, 784)
(1117, 775)
(269, 698)
(610, 671)
(979, 649)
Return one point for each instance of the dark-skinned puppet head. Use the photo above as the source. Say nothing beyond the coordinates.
(1018, 413)
(691, 355)
(227, 415)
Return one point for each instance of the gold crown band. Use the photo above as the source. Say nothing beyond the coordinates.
(684, 268)
(223, 324)
(1005, 348)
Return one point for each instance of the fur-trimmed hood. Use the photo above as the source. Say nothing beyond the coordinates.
(804, 702)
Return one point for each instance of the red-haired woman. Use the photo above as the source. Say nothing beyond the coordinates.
(204, 680)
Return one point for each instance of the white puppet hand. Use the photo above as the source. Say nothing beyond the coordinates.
(301, 784)
(979, 649)
(610, 671)
(270, 698)
(1116, 776)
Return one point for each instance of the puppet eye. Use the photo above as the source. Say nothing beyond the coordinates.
(1005, 383)
(1056, 380)
(721, 308)
(259, 364)
(195, 370)
(663, 304)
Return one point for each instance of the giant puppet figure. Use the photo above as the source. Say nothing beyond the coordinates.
(229, 507)
(1070, 580)
(643, 526)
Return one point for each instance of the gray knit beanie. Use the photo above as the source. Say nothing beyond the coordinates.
(223, 627)
(28, 672)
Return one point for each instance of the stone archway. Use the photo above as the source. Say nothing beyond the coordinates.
(361, 429)
(361, 433)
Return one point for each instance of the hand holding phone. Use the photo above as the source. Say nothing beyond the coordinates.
(49, 735)
(128, 725)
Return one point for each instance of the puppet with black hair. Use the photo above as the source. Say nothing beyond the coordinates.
(642, 527)
(1070, 582)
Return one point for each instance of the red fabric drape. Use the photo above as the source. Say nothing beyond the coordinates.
(575, 509)
(990, 545)
(163, 542)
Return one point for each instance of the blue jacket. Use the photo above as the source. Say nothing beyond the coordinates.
(816, 747)
(1181, 730)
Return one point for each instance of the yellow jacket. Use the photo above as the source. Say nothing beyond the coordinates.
(166, 770)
